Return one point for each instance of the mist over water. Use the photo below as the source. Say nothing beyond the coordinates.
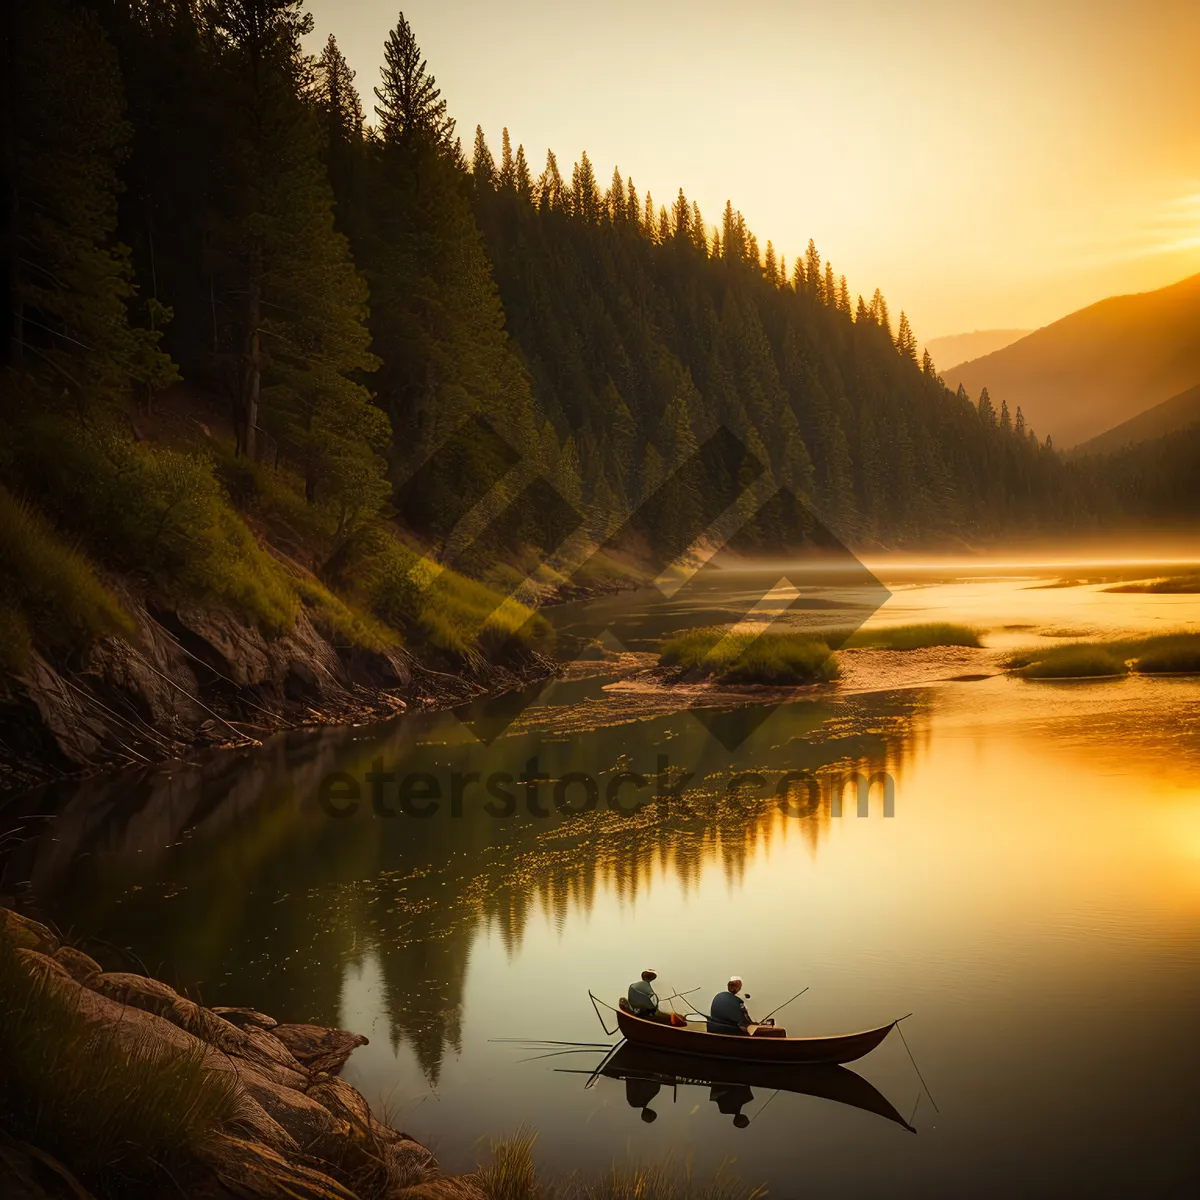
(1033, 899)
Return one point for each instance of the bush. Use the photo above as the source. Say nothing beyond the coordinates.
(160, 513)
(115, 1116)
(913, 637)
(55, 592)
(769, 657)
(1076, 662)
(1173, 654)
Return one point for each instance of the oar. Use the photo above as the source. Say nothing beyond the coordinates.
(783, 1005)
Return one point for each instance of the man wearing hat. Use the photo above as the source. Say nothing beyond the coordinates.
(728, 1013)
(643, 1000)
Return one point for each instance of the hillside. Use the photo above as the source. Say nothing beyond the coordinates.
(958, 348)
(1098, 367)
(1168, 417)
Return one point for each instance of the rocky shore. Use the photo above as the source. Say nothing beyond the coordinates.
(192, 678)
(301, 1132)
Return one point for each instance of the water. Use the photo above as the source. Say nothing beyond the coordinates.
(1033, 901)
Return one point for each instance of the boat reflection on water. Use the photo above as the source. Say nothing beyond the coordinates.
(731, 1085)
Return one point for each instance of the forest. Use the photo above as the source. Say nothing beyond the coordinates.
(250, 314)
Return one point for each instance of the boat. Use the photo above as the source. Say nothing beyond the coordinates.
(796, 1051)
(671, 1069)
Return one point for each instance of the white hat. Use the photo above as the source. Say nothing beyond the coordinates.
(735, 979)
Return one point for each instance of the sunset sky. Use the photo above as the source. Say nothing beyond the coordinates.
(986, 164)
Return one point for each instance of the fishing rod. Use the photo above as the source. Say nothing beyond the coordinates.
(783, 1005)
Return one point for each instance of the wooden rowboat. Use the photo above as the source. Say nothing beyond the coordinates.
(733, 1047)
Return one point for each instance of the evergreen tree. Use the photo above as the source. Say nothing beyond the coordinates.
(829, 290)
(699, 233)
(987, 413)
(524, 182)
(410, 105)
(550, 188)
(508, 167)
(906, 341)
(812, 270)
(1005, 418)
(483, 165)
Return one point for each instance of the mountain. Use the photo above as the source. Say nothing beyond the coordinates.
(962, 347)
(1168, 417)
(1098, 367)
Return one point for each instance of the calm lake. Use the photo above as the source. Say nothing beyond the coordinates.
(1033, 900)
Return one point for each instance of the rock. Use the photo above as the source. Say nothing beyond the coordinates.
(242, 1017)
(81, 967)
(318, 1048)
(255, 1171)
(42, 965)
(26, 932)
(254, 1046)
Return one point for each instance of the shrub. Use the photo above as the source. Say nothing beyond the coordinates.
(1173, 654)
(55, 592)
(1075, 662)
(914, 637)
(161, 513)
(769, 657)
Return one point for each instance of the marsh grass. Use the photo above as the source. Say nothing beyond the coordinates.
(912, 637)
(1169, 653)
(777, 658)
(117, 1116)
(512, 1175)
(1177, 585)
(1075, 662)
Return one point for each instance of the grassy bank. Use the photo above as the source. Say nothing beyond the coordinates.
(770, 657)
(1165, 654)
(1178, 585)
(119, 1118)
(512, 1175)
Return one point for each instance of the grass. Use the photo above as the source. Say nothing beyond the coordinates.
(118, 1117)
(512, 1175)
(1178, 585)
(1075, 662)
(55, 594)
(769, 657)
(1170, 653)
(913, 637)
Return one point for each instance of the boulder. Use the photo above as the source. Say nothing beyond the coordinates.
(26, 932)
(244, 1017)
(81, 967)
(318, 1048)
(257, 1172)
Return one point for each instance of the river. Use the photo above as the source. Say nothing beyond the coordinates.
(1025, 881)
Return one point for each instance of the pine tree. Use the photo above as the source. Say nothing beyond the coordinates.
(664, 226)
(70, 284)
(770, 266)
(337, 96)
(524, 182)
(550, 187)
(508, 170)
(699, 233)
(906, 341)
(650, 221)
(829, 290)
(681, 216)
(614, 201)
(843, 296)
(585, 193)
(483, 165)
(987, 413)
(633, 206)
(812, 270)
(1005, 417)
(1019, 426)
(410, 105)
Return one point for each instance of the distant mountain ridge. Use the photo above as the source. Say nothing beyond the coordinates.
(959, 348)
(1096, 368)
(1168, 417)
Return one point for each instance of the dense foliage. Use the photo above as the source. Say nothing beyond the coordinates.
(191, 196)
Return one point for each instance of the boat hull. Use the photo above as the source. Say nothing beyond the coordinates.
(810, 1051)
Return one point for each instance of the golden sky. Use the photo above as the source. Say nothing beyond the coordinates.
(987, 164)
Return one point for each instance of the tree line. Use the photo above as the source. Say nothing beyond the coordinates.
(194, 196)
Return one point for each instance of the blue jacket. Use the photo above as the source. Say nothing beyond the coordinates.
(727, 1014)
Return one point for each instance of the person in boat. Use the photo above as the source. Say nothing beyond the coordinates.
(643, 999)
(728, 1014)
